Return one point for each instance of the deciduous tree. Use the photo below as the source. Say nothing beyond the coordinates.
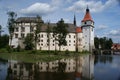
(11, 24)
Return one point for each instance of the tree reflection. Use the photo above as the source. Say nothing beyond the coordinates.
(103, 59)
(64, 69)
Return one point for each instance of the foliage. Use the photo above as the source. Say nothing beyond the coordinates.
(103, 43)
(37, 30)
(1, 30)
(48, 35)
(67, 52)
(9, 49)
(18, 48)
(60, 33)
(29, 41)
(4, 40)
(11, 24)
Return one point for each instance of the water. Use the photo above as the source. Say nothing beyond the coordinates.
(85, 67)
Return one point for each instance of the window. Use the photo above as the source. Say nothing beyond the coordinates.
(69, 40)
(16, 29)
(53, 36)
(21, 66)
(74, 41)
(53, 40)
(41, 44)
(21, 72)
(53, 44)
(22, 35)
(69, 45)
(22, 29)
(80, 40)
(16, 35)
(15, 72)
(41, 40)
(15, 65)
(74, 36)
(31, 29)
(41, 35)
(92, 29)
(69, 36)
(85, 23)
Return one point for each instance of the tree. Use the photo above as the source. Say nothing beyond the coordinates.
(11, 24)
(96, 41)
(48, 35)
(37, 31)
(105, 43)
(4, 40)
(60, 33)
(29, 41)
(1, 30)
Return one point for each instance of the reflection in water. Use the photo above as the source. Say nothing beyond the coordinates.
(77, 68)
(103, 59)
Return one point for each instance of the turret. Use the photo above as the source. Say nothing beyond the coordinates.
(74, 20)
(87, 25)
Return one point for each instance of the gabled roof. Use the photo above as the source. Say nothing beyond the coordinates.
(27, 19)
(87, 16)
(78, 30)
(71, 28)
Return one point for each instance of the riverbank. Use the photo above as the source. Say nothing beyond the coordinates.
(33, 56)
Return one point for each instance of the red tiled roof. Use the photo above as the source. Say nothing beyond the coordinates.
(87, 16)
(116, 46)
(78, 30)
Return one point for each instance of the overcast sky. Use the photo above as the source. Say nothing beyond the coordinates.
(105, 13)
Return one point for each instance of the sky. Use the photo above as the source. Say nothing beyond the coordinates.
(105, 13)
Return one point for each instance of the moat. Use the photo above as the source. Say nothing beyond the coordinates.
(83, 67)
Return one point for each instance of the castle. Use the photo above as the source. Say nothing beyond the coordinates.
(78, 38)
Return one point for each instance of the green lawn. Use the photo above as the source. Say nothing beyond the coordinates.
(33, 56)
(27, 57)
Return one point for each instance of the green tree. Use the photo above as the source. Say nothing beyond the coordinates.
(11, 24)
(29, 45)
(105, 43)
(37, 30)
(1, 30)
(96, 42)
(60, 33)
(55, 33)
(48, 35)
(4, 40)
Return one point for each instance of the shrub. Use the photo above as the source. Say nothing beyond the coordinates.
(9, 49)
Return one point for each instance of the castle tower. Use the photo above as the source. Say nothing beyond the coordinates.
(87, 25)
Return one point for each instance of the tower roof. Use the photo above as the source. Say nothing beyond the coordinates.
(87, 16)
(78, 29)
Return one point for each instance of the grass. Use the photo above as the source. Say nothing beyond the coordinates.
(27, 57)
(34, 56)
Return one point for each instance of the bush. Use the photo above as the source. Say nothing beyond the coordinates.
(9, 49)
(33, 52)
(67, 52)
(18, 49)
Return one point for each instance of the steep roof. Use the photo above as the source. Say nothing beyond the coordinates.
(71, 28)
(87, 16)
(78, 29)
(28, 19)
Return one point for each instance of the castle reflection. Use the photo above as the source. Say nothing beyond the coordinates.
(76, 68)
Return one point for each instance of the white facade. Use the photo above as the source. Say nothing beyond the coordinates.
(82, 40)
(88, 36)
(43, 44)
